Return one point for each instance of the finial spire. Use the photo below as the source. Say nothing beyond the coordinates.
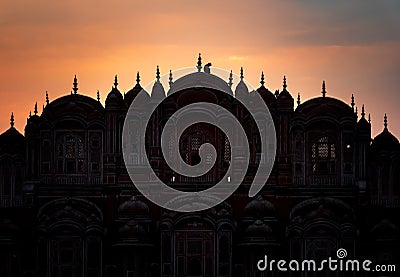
(230, 82)
(158, 74)
(199, 63)
(171, 82)
(47, 98)
(262, 82)
(284, 83)
(75, 88)
(138, 78)
(30, 113)
(12, 120)
(298, 99)
(116, 81)
(35, 111)
(385, 122)
(357, 112)
(352, 102)
(363, 111)
(98, 95)
(241, 74)
(323, 89)
(369, 118)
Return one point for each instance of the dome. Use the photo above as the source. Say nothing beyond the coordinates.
(12, 141)
(267, 96)
(363, 124)
(131, 228)
(133, 207)
(158, 90)
(241, 90)
(385, 141)
(258, 229)
(83, 108)
(71, 104)
(114, 99)
(324, 106)
(259, 208)
(285, 100)
(200, 80)
(132, 93)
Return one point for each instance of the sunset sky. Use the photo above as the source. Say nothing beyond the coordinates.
(354, 45)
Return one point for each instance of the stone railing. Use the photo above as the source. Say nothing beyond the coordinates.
(71, 180)
(324, 180)
(388, 203)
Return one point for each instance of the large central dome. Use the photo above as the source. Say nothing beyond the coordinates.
(200, 79)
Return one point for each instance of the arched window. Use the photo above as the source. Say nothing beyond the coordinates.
(71, 154)
(323, 156)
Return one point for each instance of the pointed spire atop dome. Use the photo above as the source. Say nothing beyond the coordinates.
(171, 79)
(47, 98)
(30, 113)
(323, 89)
(298, 99)
(369, 118)
(75, 85)
(284, 82)
(35, 111)
(385, 122)
(98, 95)
(241, 90)
(138, 78)
(356, 112)
(199, 63)
(262, 82)
(363, 111)
(352, 102)
(158, 89)
(158, 74)
(12, 120)
(230, 80)
(116, 81)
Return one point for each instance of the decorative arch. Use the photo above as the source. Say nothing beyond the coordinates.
(70, 231)
(318, 227)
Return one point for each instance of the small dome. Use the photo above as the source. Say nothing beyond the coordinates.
(284, 100)
(12, 142)
(158, 91)
(259, 208)
(363, 124)
(385, 141)
(131, 94)
(133, 207)
(258, 229)
(267, 96)
(114, 99)
(131, 228)
(241, 90)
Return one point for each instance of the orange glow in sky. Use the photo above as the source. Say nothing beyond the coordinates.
(352, 46)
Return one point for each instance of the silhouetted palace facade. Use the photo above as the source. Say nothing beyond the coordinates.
(69, 208)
